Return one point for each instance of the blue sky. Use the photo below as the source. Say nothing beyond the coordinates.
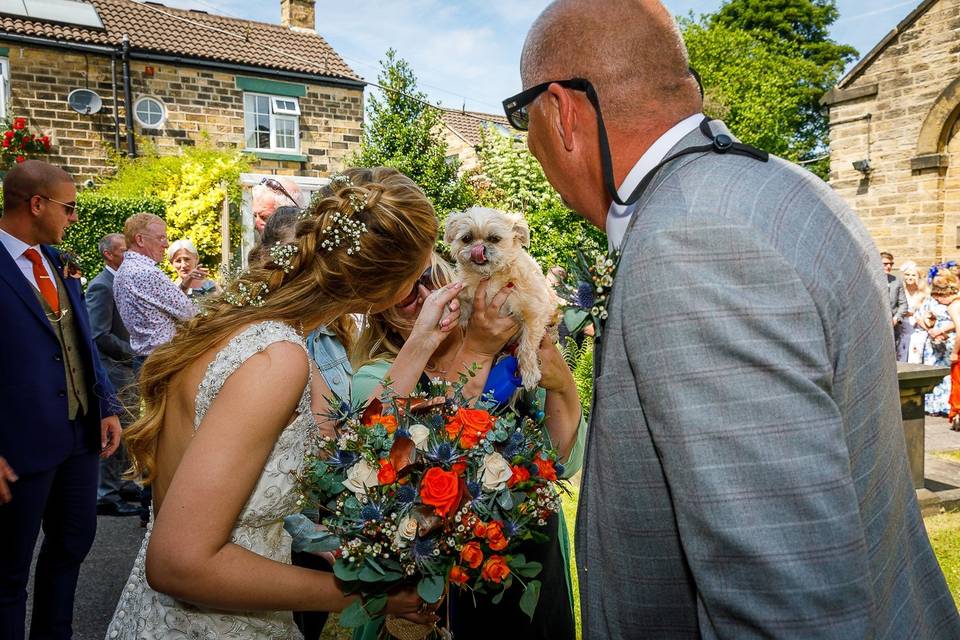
(466, 52)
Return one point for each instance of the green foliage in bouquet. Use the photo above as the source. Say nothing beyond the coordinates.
(425, 490)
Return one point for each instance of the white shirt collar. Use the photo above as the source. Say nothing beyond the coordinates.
(617, 224)
(15, 246)
(112, 271)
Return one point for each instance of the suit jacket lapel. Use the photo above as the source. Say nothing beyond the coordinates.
(10, 272)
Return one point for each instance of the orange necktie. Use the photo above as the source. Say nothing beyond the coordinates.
(42, 276)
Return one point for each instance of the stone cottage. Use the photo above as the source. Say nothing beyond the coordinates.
(107, 76)
(462, 133)
(895, 138)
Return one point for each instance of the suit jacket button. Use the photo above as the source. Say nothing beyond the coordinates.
(57, 358)
(62, 393)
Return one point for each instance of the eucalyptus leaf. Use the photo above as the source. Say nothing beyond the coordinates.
(430, 588)
(497, 598)
(530, 598)
(376, 605)
(369, 574)
(354, 615)
(505, 500)
(346, 571)
(529, 569)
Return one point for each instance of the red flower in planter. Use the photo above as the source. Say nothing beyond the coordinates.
(19, 123)
(6, 143)
(20, 159)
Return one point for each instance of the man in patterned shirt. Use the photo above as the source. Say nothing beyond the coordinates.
(150, 304)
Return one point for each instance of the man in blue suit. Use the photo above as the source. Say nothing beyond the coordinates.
(59, 413)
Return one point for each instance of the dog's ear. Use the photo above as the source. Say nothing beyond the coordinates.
(521, 231)
(454, 221)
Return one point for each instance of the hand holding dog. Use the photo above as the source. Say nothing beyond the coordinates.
(490, 329)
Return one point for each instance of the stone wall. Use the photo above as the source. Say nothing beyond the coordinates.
(201, 105)
(909, 200)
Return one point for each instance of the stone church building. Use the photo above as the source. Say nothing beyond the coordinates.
(895, 136)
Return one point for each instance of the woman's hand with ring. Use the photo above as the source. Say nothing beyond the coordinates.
(438, 316)
(407, 604)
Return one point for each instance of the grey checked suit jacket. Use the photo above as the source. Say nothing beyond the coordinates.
(746, 473)
(898, 297)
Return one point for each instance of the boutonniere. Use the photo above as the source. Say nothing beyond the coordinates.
(71, 268)
(587, 288)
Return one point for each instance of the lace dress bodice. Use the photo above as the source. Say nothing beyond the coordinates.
(144, 614)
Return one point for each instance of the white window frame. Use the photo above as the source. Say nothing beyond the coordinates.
(278, 113)
(281, 105)
(163, 112)
(4, 86)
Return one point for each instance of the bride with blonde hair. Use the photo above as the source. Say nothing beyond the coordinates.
(227, 417)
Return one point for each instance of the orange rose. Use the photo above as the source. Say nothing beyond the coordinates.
(480, 530)
(495, 569)
(458, 467)
(545, 468)
(458, 575)
(520, 474)
(387, 474)
(441, 490)
(471, 425)
(495, 537)
(389, 422)
(471, 555)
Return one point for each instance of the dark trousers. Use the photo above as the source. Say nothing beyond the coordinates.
(62, 501)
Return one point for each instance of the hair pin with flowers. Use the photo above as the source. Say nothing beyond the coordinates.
(245, 294)
(937, 267)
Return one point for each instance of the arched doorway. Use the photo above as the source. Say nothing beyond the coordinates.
(951, 191)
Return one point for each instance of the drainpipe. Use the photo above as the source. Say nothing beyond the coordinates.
(128, 98)
(116, 108)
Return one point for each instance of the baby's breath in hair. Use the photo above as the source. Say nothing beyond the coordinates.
(341, 227)
(245, 295)
(282, 256)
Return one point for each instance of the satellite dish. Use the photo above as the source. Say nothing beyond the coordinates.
(84, 101)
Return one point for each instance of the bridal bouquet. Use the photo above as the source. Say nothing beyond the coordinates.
(425, 490)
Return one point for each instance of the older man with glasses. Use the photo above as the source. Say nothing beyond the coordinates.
(270, 194)
(150, 304)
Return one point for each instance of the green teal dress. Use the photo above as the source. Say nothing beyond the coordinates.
(554, 616)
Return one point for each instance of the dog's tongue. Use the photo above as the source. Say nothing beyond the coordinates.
(478, 255)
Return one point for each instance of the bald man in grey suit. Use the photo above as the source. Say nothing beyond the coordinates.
(745, 472)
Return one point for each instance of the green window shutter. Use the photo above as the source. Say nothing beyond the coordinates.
(262, 85)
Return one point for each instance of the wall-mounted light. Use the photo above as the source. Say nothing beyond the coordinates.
(863, 166)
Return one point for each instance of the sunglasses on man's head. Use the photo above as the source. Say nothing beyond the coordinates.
(276, 187)
(425, 279)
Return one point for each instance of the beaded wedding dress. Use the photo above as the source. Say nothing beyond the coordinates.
(144, 614)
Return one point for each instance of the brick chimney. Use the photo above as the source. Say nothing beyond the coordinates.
(298, 14)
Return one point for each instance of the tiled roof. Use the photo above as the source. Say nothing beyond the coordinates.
(155, 28)
(467, 124)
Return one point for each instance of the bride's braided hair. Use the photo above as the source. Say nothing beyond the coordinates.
(311, 283)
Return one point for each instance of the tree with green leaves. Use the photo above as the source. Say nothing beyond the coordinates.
(402, 131)
(765, 64)
(509, 177)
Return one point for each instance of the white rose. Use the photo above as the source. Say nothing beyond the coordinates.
(406, 530)
(494, 472)
(420, 435)
(359, 477)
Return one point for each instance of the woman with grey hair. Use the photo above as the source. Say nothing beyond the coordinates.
(193, 279)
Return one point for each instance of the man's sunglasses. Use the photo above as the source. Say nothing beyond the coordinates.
(276, 187)
(425, 279)
(516, 107)
(69, 206)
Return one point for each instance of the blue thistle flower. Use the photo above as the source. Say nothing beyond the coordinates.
(406, 494)
(474, 488)
(371, 512)
(401, 432)
(559, 468)
(511, 528)
(341, 460)
(423, 549)
(443, 453)
(584, 296)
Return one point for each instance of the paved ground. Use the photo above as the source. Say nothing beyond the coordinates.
(118, 540)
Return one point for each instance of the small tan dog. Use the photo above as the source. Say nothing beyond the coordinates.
(486, 243)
